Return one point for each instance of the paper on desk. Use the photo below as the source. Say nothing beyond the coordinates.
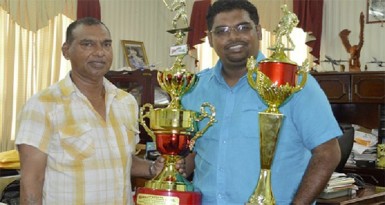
(359, 149)
(366, 139)
(337, 174)
(339, 181)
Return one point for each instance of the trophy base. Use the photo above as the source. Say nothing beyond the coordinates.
(148, 196)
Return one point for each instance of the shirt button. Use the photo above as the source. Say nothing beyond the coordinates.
(224, 142)
(219, 196)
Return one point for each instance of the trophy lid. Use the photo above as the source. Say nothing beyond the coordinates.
(279, 56)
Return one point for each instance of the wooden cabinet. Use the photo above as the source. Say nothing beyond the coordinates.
(336, 87)
(361, 87)
(355, 97)
(358, 98)
(144, 86)
(368, 88)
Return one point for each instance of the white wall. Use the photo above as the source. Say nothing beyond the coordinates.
(141, 20)
(149, 20)
(345, 14)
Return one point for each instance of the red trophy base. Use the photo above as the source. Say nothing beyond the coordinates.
(148, 196)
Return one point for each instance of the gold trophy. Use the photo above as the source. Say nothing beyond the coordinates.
(275, 80)
(173, 129)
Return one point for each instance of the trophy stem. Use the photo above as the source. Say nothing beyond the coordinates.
(269, 125)
(263, 194)
(169, 178)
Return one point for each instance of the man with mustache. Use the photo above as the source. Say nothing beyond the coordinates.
(226, 159)
(77, 138)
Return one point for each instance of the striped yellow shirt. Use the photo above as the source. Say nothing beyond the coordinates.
(89, 158)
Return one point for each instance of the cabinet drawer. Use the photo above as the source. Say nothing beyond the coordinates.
(336, 87)
(368, 88)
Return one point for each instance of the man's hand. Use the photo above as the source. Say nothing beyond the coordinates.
(186, 165)
(181, 166)
(156, 166)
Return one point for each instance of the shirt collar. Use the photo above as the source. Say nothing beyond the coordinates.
(67, 86)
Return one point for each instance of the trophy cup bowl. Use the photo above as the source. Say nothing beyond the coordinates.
(279, 72)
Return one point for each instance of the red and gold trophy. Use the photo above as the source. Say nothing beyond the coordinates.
(173, 129)
(275, 80)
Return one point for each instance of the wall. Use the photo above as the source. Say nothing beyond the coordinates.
(141, 20)
(344, 14)
(148, 20)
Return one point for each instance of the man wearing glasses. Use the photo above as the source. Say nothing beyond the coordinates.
(226, 159)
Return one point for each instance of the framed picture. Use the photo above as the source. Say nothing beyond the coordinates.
(375, 12)
(135, 54)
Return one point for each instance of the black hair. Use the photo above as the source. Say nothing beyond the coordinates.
(229, 5)
(89, 21)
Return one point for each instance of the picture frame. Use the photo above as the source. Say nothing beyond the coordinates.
(134, 54)
(375, 11)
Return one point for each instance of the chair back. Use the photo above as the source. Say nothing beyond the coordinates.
(346, 144)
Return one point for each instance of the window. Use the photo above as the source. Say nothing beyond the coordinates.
(29, 62)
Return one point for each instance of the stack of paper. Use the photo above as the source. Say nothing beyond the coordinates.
(364, 148)
(339, 185)
(365, 139)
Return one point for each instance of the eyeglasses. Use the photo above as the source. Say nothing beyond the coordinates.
(226, 30)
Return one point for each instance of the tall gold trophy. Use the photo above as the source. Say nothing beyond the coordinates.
(173, 129)
(275, 80)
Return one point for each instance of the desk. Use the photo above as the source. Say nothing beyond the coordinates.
(370, 195)
(371, 175)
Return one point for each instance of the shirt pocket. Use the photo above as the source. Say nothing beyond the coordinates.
(247, 120)
(76, 141)
(130, 137)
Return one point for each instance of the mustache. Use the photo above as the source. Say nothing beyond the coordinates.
(235, 43)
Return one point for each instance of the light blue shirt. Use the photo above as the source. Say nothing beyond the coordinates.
(227, 163)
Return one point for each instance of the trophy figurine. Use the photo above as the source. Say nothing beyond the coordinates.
(275, 80)
(173, 129)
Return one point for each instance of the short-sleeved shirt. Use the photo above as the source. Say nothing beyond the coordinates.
(227, 162)
(89, 158)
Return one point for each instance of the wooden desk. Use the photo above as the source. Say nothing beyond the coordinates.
(371, 175)
(370, 195)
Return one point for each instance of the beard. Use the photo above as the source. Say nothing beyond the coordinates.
(237, 52)
(238, 59)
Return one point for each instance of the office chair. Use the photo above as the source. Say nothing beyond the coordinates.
(346, 144)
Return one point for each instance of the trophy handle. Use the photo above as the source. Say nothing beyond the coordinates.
(143, 115)
(303, 71)
(252, 69)
(161, 79)
(203, 115)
